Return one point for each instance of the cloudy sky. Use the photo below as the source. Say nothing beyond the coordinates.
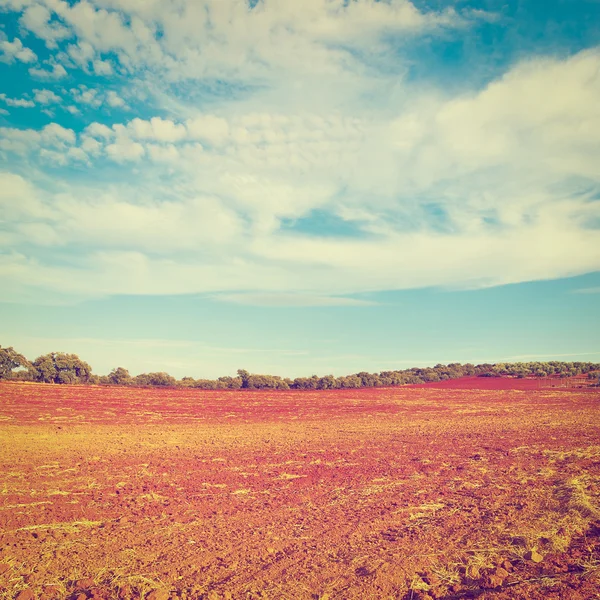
(299, 187)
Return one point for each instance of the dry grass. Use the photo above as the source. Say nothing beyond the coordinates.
(480, 561)
(574, 496)
(590, 567)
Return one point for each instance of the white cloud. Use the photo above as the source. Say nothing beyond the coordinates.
(38, 19)
(166, 153)
(56, 135)
(124, 149)
(99, 130)
(24, 141)
(157, 129)
(20, 141)
(95, 98)
(295, 299)
(81, 53)
(103, 67)
(15, 51)
(46, 97)
(56, 72)
(91, 145)
(18, 102)
(113, 99)
(85, 95)
(209, 128)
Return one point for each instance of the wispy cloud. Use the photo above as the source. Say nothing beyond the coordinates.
(288, 300)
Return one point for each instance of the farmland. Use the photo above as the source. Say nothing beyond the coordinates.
(487, 489)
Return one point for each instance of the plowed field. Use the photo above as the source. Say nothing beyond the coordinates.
(407, 493)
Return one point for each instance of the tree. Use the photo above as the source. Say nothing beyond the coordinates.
(231, 383)
(58, 367)
(328, 382)
(10, 359)
(119, 376)
(244, 376)
(350, 381)
(155, 379)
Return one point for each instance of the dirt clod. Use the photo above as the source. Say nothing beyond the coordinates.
(25, 595)
(84, 584)
(534, 556)
(125, 592)
(52, 591)
(158, 595)
(491, 581)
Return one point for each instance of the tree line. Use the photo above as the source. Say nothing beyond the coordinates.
(63, 368)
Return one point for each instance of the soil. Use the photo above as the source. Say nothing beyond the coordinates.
(410, 493)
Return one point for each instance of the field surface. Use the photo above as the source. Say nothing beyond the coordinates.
(406, 493)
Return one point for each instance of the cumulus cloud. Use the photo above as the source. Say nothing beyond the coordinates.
(15, 51)
(26, 141)
(124, 149)
(99, 130)
(19, 102)
(95, 98)
(37, 18)
(157, 129)
(55, 72)
(46, 97)
(85, 95)
(102, 67)
(113, 99)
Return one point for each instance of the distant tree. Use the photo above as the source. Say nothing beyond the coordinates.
(306, 383)
(368, 379)
(328, 382)
(58, 367)
(261, 382)
(243, 375)
(350, 382)
(230, 383)
(10, 360)
(206, 384)
(119, 376)
(160, 379)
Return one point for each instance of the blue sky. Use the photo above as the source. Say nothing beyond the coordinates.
(299, 188)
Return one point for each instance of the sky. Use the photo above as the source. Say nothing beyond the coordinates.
(325, 186)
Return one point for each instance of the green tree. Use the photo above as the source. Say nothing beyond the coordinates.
(10, 360)
(119, 376)
(328, 382)
(58, 367)
(350, 381)
(230, 383)
(160, 379)
(244, 376)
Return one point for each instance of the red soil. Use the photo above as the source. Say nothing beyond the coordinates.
(508, 383)
(381, 493)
